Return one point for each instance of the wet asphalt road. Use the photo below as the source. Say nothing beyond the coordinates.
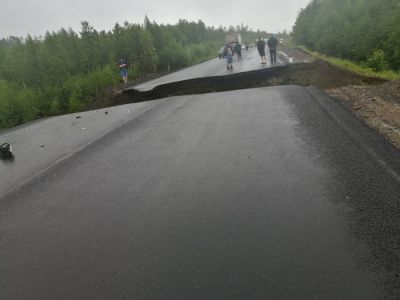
(39, 145)
(250, 61)
(270, 193)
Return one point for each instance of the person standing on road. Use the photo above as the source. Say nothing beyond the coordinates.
(229, 57)
(123, 69)
(239, 50)
(272, 44)
(261, 50)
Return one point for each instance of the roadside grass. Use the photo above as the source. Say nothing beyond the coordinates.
(352, 66)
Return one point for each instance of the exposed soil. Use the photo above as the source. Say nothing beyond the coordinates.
(322, 75)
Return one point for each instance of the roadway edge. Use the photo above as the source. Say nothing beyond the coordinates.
(382, 151)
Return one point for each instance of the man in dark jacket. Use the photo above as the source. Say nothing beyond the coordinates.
(239, 50)
(261, 50)
(272, 44)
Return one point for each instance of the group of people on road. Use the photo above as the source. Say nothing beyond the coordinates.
(272, 44)
(228, 54)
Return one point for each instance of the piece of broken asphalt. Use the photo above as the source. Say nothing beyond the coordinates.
(5, 151)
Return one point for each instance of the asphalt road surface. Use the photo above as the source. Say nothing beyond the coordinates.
(250, 61)
(269, 193)
(40, 145)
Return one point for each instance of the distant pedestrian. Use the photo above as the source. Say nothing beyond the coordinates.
(272, 44)
(261, 50)
(123, 69)
(247, 47)
(229, 57)
(239, 50)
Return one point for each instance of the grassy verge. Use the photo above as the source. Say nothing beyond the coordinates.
(353, 67)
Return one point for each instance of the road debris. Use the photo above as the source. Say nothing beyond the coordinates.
(5, 151)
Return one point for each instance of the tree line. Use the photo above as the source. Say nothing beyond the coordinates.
(365, 31)
(62, 71)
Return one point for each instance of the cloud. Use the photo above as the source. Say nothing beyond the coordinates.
(20, 17)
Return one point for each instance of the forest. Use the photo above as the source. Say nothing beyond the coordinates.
(364, 31)
(62, 71)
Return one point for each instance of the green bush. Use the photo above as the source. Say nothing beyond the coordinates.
(377, 61)
(82, 88)
(16, 104)
(19, 104)
(174, 56)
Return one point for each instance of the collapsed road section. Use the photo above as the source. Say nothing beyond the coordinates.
(317, 73)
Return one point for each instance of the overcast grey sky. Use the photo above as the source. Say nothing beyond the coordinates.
(35, 17)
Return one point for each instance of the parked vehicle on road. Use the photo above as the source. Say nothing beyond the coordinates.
(234, 38)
